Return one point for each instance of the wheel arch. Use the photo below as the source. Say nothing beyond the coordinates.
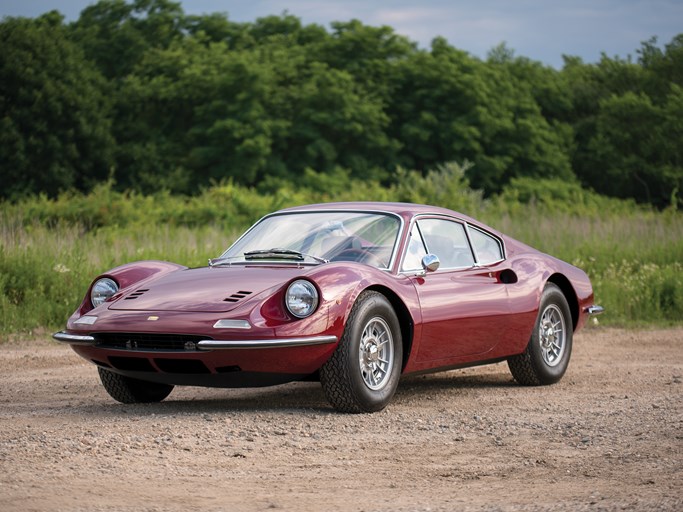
(405, 320)
(567, 289)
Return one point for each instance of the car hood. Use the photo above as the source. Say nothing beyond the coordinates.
(207, 289)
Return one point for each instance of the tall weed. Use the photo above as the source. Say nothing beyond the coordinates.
(51, 249)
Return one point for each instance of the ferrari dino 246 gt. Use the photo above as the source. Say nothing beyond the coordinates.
(352, 294)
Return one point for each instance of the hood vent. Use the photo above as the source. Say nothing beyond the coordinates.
(236, 297)
(136, 294)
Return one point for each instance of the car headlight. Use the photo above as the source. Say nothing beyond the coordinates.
(301, 298)
(102, 290)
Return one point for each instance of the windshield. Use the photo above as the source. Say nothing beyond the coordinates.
(315, 237)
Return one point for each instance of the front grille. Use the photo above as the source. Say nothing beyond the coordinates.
(147, 341)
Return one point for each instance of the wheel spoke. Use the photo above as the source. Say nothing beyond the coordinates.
(552, 335)
(376, 353)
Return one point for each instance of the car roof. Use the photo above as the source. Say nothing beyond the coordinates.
(406, 210)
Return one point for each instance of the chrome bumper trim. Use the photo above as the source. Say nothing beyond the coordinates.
(594, 310)
(274, 343)
(74, 339)
(78, 339)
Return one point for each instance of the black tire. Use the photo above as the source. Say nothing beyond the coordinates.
(547, 355)
(363, 373)
(133, 391)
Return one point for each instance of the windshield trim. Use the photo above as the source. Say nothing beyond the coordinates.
(394, 251)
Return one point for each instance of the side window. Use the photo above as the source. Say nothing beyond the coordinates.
(448, 240)
(415, 251)
(488, 249)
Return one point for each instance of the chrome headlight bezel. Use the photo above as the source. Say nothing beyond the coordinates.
(102, 290)
(301, 298)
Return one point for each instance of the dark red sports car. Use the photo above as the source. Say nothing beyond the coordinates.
(352, 294)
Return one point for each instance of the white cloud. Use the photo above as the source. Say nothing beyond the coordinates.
(539, 29)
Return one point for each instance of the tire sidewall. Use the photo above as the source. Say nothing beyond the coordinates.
(128, 390)
(547, 374)
(372, 306)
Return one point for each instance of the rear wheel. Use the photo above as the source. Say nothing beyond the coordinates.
(363, 373)
(546, 357)
(132, 391)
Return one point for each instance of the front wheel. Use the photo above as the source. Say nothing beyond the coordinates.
(363, 373)
(547, 355)
(132, 391)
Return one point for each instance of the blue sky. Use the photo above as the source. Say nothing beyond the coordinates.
(539, 29)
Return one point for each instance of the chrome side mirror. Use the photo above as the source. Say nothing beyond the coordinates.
(430, 262)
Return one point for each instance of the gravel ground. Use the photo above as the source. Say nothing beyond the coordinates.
(609, 436)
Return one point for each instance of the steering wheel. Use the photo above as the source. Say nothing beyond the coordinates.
(360, 256)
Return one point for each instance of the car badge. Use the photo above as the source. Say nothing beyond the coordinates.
(152, 318)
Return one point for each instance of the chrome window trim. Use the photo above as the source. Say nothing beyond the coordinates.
(467, 225)
(422, 239)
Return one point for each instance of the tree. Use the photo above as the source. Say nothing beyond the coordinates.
(54, 118)
(625, 120)
(449, 106)
(638, 147)
(116, 35)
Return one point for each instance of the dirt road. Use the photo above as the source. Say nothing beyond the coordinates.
(609, 436)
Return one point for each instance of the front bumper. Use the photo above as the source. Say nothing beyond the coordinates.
(305, 341)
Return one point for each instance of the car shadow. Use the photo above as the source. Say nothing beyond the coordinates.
(452, 380)
(299, 397)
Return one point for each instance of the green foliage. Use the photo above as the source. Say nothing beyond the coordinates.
(50, 249)
(640, 291)
(643, 161)
(116, 34)
(554, 196)
(626, 119)
(140, 92)
(54, 127)
(137, 116)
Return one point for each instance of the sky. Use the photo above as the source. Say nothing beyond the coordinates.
(542, 30)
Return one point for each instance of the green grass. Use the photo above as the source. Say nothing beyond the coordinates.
(44, 272)
(50, 250)
(635, 261)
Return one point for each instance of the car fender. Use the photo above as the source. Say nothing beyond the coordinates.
(342, 284)
(127, 275)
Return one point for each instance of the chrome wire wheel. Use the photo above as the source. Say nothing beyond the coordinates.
(552, 335)
(376, 353)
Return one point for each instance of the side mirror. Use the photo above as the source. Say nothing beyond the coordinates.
(430, 262)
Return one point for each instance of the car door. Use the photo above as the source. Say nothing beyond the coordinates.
(464, 304)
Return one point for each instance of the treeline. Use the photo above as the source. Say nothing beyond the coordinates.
(147, 97)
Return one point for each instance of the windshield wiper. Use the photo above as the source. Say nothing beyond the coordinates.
(217, 262)
(282, 254)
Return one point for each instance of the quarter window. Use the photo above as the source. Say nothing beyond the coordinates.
(488, 249)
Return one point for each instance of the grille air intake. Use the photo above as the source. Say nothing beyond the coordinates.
(136, 294)
(147, 341)
(236, 297)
